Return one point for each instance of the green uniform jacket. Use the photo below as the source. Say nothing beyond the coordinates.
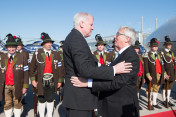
(150, 67)
(20, 73)
(37, 67)
(62, 60)
(168, 64)
(142, 78)
(105, 57)
(112, 55)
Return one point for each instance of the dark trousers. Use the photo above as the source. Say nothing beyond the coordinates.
(78, 113)
(48, 95)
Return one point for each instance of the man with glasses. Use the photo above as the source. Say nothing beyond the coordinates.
(119, 95)
(79, 61)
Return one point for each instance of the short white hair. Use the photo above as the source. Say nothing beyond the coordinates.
(81, 17)
(131, 33)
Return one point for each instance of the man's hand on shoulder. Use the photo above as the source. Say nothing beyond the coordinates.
(123, 67)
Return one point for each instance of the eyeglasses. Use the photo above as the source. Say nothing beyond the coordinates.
(118, 34)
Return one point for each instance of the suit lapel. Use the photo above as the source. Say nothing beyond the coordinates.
(159, 57)
(52, 56)
(121, 56)
(97, 56)
(6, 61)
(152, 56)
(104, 57)
(15, 60)
(140, 58)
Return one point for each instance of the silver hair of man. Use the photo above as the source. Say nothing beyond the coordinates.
(130, 33)
(81, 17)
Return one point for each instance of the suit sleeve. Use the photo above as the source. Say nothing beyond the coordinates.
(81, 58)
(26, 72)
(33, 68)
(120, 80)
(147, 73)
(60, 70)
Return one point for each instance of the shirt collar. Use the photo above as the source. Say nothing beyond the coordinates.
(11, 55)
(123, 49)
(154, 52)
(100, 52)
(167, 50)
(19, 50)
(47, 51)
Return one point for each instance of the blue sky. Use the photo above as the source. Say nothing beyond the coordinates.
(28, 18)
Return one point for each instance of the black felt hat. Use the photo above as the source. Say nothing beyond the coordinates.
(19, 41)
(136, 45)
(99, 40)
(46, 38)
(11, 40)
(154, 42)
(62, 43)
(167, 41)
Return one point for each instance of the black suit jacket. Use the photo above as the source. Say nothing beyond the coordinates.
(119, 97)
(79, 61)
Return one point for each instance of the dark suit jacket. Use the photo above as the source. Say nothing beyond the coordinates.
(78, 60)
(119, 98)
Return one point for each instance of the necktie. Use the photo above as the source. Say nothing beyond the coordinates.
(11, 59)
(47, 53)
(117, 54)
(170, 52)
(101, 55)
(155, 55)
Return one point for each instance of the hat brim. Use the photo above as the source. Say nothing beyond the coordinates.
(136, 47)
(20, 44)
(100, 44)
(11, 44)
(153, 46)
(167, 43)
(47, 42)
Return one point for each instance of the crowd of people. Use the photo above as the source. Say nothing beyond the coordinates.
(109, 82)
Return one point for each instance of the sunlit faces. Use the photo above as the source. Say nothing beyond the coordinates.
(47, 46)
(87, 27)
(120, 39)
(168, 46)
(11, 49)
(154, 48)
(100, 47)
(19, 47)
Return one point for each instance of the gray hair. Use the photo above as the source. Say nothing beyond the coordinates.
(81, 17)
(130, 33)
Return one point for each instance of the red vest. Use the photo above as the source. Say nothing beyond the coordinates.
(140, 70)
(48, 68)
(101, 60)
(9, 74)
(158, 66)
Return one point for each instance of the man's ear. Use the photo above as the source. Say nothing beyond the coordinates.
(82, 24)
(127, 39)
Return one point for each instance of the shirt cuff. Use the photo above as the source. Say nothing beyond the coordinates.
(114, 70)
(99, 64)
(90, 82)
